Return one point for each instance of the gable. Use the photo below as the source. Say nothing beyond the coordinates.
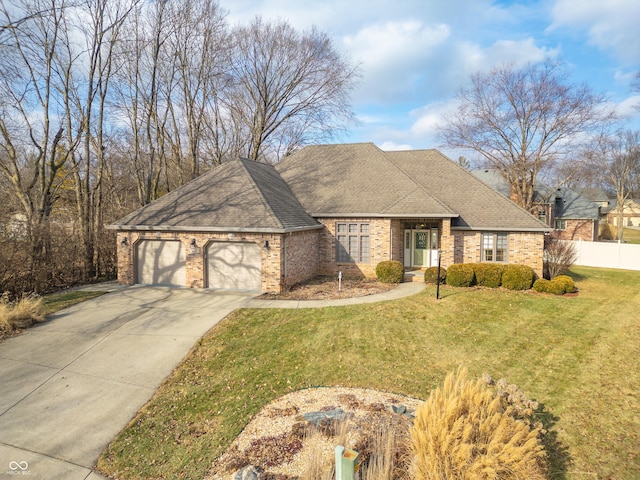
(356, 180)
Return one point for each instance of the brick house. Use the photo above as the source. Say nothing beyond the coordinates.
(572, 216)
(323, 210)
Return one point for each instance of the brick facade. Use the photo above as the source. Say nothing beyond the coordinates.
(525, 248)
(585, 230)
(295, 257)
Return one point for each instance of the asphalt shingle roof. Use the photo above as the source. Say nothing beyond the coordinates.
(479, 206)
(356, 180)
(572, 206)
(351, 180)
(239, 195)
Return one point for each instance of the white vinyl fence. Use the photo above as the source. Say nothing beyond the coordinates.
(607, 255)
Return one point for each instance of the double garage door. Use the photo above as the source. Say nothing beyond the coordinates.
(228, 265)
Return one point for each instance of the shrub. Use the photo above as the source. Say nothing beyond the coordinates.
(464, 430)
(431, 275)
(390, 271)
(558, 257)
(517, 277)
(567, 281)
(541, 285)
(20, 314)
(557, 286)
(607, 232)
(460, 275)
(488, 274)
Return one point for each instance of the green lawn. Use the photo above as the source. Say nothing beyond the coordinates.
(631, 235)
(57, 301)
(579, 356)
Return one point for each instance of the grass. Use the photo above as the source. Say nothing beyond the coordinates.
(28, 310)
(631, 235)
(578, 356)
(58, 301)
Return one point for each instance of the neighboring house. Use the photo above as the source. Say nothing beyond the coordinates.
(323, 210)
(571, 216)
(630, 213)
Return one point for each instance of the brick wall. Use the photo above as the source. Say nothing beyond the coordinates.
(585, 230)
(525, 248)
(380, 247)
(301, 256)
(272, 260)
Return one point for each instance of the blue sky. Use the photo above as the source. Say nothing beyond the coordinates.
(415, 54)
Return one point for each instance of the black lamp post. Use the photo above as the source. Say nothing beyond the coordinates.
(438, 279)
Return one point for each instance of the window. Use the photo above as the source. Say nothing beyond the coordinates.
(352, 242)
(494, 247)
(561, 225)
(542, 215)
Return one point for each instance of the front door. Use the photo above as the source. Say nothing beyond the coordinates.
(421, 248)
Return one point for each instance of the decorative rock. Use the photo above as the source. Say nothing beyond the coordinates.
(318, 417)
(248, 473)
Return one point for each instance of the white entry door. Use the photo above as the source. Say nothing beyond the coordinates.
(421, 248)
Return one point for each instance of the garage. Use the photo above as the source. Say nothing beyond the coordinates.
(161, 262)
(234, 266)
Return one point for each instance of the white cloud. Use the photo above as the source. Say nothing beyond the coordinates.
(629, 107)
(393, 57)
(475, 58)
(612, 25)
(389, 146)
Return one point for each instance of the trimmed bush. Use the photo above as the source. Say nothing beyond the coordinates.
(465, 430)
(541, 285)
(567, 281)
(431, 275)
(460, 275)
(488, 274)
(557, 286)
(517, 277)
(390, 271)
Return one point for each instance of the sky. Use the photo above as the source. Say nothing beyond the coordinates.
(415, 55)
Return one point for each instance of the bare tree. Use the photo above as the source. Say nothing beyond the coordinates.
(32, 149)
(617, 157)
(289, 89)
(522, 120)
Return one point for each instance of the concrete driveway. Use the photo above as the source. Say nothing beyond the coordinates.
(70, 385)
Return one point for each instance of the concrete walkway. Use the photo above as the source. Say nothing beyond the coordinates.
(72, 383)
(402, 290)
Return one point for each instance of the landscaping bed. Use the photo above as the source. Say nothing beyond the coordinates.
(329, 288)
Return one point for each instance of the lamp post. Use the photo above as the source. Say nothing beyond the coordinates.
(438, 279)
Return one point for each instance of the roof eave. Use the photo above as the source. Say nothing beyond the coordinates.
(502, 229)
(385, 215)
(167, 228)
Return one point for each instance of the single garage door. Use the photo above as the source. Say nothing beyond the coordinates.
(161, 262)
(234, 265)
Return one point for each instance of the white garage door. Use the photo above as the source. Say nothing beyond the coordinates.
(161, 262)
(234, 265)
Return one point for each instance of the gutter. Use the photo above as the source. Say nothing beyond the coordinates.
(162, 228)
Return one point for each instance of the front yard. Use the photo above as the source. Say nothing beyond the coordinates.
(579, 356)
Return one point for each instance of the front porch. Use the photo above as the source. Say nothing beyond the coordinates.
(422, 241)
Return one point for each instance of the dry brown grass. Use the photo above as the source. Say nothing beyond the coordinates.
(464, 430)
(22, 313)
